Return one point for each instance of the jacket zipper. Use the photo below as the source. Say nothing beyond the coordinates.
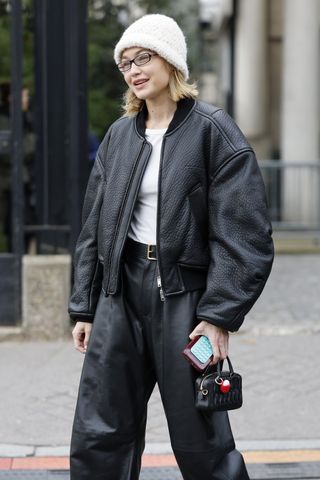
(121, 213)
(159, 281)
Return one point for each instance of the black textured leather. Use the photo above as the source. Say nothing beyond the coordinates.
(207, 388)
(212, 214)
(136, 341)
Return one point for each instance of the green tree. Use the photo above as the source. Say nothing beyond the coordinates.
(5, 43)
(106, 21)
(105, 83)
(156, 6)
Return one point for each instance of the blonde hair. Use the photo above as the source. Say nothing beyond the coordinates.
(178, 88)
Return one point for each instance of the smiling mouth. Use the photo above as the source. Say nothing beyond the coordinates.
(139, 82)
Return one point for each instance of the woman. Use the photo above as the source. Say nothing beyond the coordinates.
(175, 242)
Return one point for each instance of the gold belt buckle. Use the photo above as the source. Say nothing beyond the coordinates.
(149, 253)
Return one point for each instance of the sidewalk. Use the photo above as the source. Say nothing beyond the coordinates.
(275, 467)
(277, 351)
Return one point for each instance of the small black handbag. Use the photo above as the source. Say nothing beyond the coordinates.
(219, 390)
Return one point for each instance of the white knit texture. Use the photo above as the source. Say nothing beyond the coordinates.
(158, 33)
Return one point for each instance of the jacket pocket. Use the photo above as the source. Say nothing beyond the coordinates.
(199, 208)
(194, 277)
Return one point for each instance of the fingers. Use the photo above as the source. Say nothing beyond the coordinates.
(219, 339)
(220, 343)
(199, 330)
(81, 335)
(78, 336)
(86, 337)
(220, 348)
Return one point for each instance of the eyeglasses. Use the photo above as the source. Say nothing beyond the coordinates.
(139, 60)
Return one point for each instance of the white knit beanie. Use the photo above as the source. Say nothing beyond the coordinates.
(158, 33)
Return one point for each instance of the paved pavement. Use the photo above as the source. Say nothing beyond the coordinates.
(281, 393)
(277, 351)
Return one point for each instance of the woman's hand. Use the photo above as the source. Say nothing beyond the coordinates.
(81, 334)
(219, 339)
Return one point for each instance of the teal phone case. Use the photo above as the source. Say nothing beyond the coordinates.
(202, 349)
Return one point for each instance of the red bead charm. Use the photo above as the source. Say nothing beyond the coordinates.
(225, 386)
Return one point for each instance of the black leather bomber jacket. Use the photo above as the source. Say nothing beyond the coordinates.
(213, 230)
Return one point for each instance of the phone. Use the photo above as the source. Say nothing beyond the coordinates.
(199, 352)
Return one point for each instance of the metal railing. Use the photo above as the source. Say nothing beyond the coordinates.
(293, 191)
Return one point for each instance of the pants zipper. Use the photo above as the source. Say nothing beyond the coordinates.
(162, 297)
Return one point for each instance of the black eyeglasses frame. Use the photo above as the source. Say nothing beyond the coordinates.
(130, 62)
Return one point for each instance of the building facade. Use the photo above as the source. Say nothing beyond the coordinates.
(268, 62)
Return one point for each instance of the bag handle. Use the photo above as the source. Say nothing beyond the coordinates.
(220, 366)
(217, 370)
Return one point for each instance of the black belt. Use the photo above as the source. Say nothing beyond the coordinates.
(141, 250)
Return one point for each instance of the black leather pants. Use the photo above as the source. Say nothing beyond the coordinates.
(136, 341)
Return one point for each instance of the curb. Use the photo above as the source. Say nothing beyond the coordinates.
(160, 455)
(286, 457)
(161, 448)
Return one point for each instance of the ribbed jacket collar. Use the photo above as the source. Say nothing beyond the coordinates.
(184, 107)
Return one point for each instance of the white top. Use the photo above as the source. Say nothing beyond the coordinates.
(143, 227)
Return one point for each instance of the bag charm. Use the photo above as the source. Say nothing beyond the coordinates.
(225, 385)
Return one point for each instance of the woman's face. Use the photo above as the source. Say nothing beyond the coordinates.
(147, 81)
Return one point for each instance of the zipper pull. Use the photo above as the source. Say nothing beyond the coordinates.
(162, 298)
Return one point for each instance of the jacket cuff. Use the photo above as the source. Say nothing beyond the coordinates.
(81, 317)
